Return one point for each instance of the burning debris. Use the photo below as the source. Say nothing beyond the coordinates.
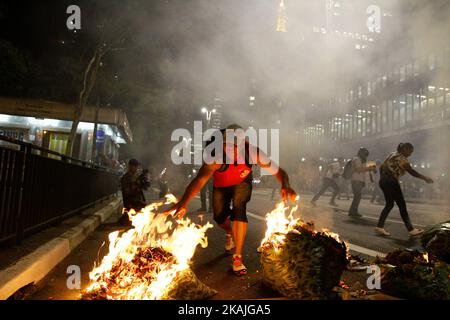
(298, 261)
(151, 261)
(436, 240)
(415, 275)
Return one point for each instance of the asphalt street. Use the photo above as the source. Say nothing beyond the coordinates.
(212, 265)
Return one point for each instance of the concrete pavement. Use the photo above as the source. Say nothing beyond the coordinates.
(212, 265)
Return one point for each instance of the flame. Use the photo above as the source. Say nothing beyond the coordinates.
(278, 225)
(425, 257)
(117, 275)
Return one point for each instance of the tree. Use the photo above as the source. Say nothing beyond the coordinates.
(90, 78)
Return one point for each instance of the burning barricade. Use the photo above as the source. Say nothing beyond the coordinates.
(298, 261)
(151, 261)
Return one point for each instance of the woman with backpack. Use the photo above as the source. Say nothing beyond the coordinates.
(395, 166)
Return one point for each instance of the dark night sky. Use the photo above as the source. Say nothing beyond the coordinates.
(193, 49)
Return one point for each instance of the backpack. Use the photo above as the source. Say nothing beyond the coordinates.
(348, 170)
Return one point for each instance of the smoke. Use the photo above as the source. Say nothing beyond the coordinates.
(202, 49)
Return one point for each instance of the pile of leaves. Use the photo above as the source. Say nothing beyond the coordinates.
(143, 267)
(307, 265)
(436, 240)
(415, 275)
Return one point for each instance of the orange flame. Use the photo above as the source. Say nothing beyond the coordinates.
(278, 225)
(151, 230)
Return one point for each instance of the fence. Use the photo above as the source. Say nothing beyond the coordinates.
(40, 187)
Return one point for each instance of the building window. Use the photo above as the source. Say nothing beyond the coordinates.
(395, 113)
(423, 103)
(409, 107)
(389, 115)
(402, 112)
(416, 109)
(379, 119)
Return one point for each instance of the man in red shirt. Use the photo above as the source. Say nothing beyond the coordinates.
(232, 182)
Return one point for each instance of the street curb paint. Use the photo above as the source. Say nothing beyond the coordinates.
(36, 265)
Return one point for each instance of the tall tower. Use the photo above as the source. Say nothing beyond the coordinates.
(281, 20)
(216, 117)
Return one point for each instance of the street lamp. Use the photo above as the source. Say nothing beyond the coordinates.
(208, 114)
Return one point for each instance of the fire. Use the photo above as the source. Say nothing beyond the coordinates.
(143, 262)
(279, 224)
(425, 257)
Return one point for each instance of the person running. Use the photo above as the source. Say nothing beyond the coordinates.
(395, 166)
(330, 179)
(358, 179)
(232, 185)
(376, 192)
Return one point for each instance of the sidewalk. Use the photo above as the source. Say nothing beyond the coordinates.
(25, 265)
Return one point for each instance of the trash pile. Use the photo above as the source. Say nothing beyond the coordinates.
(436, 241)
(303, 263)
(151, 261)
(144, 266)
(414, 275)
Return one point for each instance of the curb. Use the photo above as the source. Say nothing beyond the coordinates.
(36, 265)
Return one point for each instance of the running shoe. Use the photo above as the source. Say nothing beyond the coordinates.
(238, 267)
(415, 232)
(382, 232)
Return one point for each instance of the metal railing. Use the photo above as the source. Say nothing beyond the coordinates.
(41, 187)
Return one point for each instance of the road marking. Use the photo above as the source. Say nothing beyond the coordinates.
(342, 211)
(352, 246)
(365, 251)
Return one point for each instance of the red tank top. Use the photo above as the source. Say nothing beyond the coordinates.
(233, 174)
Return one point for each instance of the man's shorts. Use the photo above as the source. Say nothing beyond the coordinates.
(238, 196)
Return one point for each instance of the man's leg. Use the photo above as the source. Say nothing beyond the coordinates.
(387, 190)
(356, 188)
(325, 185)
(335, 187)
(242, 194)
(239, 233)
(221, 208)
(401, 203)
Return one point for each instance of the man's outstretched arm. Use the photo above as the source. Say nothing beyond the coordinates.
(204, 174)
(287, 193)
